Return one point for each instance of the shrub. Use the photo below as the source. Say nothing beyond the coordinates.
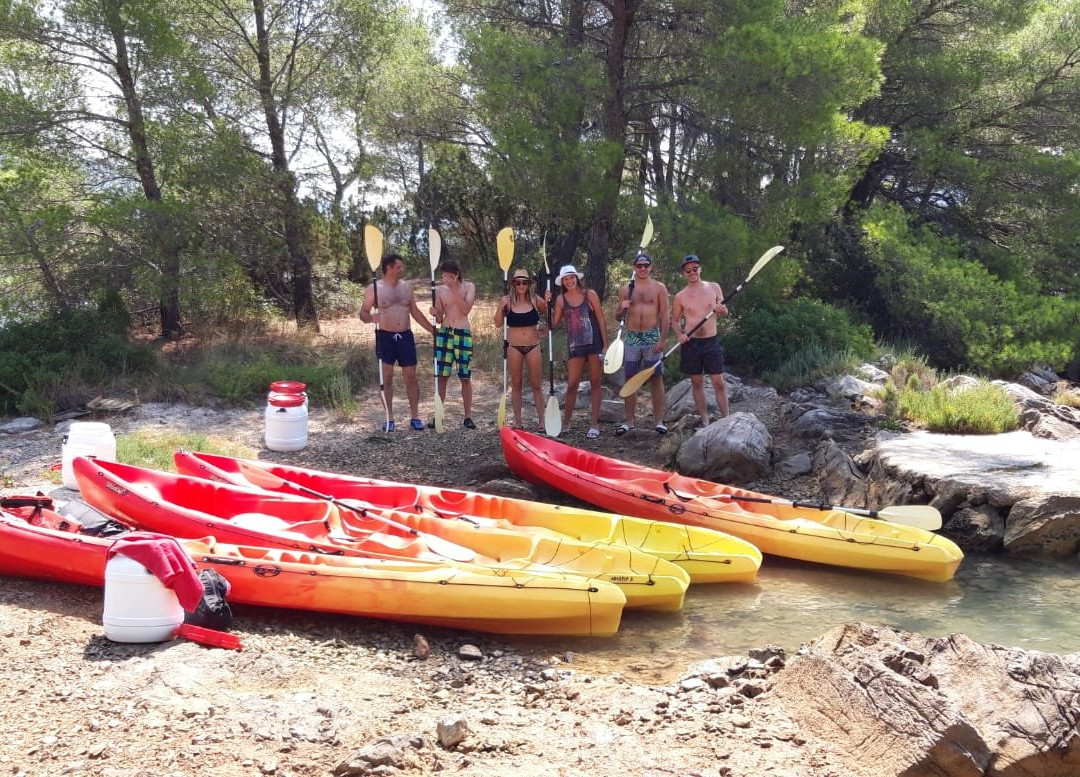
(809, 364)
(982, 409)
(770, 336)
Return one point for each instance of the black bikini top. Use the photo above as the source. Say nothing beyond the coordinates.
(529, 318)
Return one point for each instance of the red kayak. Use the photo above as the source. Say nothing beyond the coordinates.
(780, 527)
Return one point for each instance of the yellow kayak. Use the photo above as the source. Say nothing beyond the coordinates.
(707, 555)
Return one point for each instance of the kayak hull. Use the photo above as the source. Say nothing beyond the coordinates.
(401, 590)
(822, 536)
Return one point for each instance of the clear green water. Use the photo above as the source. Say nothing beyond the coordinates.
(1017, 603)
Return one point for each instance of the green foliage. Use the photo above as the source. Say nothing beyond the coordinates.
(154, 448)
(43, 363)
(981, 409)
(1063, 395)
(770, 335)
(809, 364)
(243, 375)
(955, 308)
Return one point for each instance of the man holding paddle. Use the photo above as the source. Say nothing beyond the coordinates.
(453, 342)
(394, 342)
(701, 354)
(644, 303)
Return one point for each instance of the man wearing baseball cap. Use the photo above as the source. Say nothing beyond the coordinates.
(701, 353)
(644, 302)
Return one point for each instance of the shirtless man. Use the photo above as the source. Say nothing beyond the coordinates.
(453, 341)
(394, 342)
(701, 353)
(644, 302)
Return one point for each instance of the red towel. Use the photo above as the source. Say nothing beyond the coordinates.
(166, 560)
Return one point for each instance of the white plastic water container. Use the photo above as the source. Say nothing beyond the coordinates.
(286, 422)
(85, 438)
(138, 606)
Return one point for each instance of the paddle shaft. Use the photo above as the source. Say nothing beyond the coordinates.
(373, 248)
(919, 516)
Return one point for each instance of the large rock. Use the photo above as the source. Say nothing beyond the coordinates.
(1034, 483)
(819, 423)
(735, 449)
(903, 704)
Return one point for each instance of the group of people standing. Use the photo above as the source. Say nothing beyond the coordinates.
(644, 302)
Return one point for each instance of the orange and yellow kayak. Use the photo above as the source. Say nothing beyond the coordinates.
(187, 506)
(36, 542)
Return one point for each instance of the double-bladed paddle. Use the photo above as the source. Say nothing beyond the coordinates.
(613, 359)
(373, 247)
(638, 380)
(504, 245)
(919, 516)
(434, 251)
(552, 414)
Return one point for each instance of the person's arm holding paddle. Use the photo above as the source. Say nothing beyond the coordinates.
(366, 314)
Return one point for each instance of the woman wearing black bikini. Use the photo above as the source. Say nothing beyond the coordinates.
(524, 314)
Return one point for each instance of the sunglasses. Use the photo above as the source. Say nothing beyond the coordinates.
(521, 283)
(692, 268)
(640, 266)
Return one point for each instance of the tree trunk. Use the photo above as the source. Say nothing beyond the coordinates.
(614, 120)
(299, 262)
(164, 236)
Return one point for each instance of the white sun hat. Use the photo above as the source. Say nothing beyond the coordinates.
(568, 269)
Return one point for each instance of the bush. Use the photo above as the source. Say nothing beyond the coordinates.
(809, 364)
(982, 409)
(42, 361)
(771, 336)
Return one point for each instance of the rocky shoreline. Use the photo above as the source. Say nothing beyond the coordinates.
(318, 695)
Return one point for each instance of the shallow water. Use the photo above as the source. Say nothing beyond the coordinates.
(1017, 603)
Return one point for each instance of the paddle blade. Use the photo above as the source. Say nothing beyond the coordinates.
(500, 416)
(646, 236)
(504, 244)
(552, 417)
(440, 414)
(764, 260)
(637, 381)
(543, 252)
(434, 250)
(373, 246)
(919, 516)
(613, 359)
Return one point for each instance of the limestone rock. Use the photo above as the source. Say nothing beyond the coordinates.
(979, 528)
(810, 422)
(1046, 525)
(735, 449)
(902, 704)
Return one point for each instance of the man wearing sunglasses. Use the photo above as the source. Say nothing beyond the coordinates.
(701, 353)
(644, 302)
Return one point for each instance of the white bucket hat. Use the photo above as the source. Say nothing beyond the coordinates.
(568, 269)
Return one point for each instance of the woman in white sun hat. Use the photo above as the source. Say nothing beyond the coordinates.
(586, 341)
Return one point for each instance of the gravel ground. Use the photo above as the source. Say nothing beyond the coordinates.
(314, 694)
